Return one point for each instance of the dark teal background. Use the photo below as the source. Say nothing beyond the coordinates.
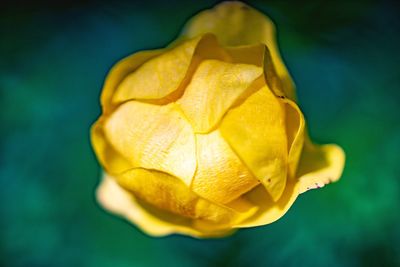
(344, 58)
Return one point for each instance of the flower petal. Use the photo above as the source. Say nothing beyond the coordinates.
(259, 55)
(237, 24)
(256, 132)
(159, 76)
(120, 71)
(164, 77)
(221, 176)
(215, 86)
(269, 210)
(119, 201)
(319, 165)
(167, 195)
(170, 194)
(111, 160)
(153, 137)
(295, 127)
(253, 54)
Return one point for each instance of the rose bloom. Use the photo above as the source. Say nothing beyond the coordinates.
(205, 136)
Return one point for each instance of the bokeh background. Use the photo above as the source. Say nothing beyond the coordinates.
(54, 55)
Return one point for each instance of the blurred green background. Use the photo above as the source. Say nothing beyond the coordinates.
(344, 57)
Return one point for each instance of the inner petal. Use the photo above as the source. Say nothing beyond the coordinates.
(259, 55)
(154, 137)
(215, 86)
(256, 132)
(220, 176)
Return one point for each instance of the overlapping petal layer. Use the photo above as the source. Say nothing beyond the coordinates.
(159, 76)
(168, 193)
(163, 77)
(237, 24)
(214, 87)
(111, 160)
(256, 132)
(120, 71)
(154, 137)
(295, 127)
(118, 200)
(220, 175)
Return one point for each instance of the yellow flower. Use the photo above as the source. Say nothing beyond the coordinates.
(205, 137)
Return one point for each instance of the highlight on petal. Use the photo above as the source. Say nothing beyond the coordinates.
(237, 24)
(214, 87)
(256, 132)
(154, 137)
(319, 165)
(221, 176)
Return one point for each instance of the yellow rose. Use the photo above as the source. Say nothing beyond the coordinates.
(205, 137)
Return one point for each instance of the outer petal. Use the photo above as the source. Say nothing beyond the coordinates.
(319, 165)
(214, 87)
(256, 132)
(159, 76)
(120, 71)
(253, 54)
(168, 193)
(111, 160)
(295, 127)
(118, 200)
(259, 55)
(154, 137)
(270, 210)
(220, 176)
(237, 24)
(164, 78)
